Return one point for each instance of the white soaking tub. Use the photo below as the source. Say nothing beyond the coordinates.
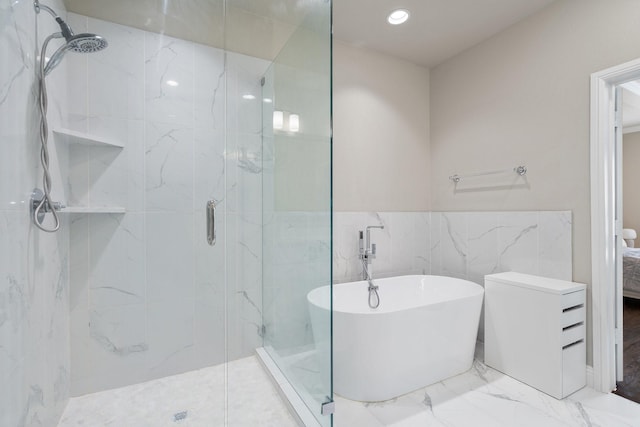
(424, 331)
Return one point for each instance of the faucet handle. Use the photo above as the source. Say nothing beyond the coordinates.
(361, 241)
(373, 249)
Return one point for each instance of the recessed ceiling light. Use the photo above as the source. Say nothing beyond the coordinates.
(248, 96)
(172, 83)
(398, 16)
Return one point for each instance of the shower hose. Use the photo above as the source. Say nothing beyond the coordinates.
(374, 298)
(45, 205)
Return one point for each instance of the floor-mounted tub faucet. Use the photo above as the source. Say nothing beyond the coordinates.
(366, 254)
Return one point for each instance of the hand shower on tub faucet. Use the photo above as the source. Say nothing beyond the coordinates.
(366, 254)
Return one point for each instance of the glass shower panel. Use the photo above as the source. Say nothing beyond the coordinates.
(296, 197)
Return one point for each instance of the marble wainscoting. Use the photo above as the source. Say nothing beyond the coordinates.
(470, 245)
(467, 245)
(403, 247)
(34, 273)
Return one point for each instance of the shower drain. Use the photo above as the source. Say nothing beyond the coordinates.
(180, 416)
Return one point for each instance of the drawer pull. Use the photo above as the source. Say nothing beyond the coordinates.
(572, 344)
(575, 307)
(575, 325)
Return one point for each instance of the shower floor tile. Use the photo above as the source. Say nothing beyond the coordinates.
(194, 399)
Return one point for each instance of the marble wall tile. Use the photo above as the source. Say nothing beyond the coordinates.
(482, 245)
(172, 163)
(170, 334)
(168, 167)
(115, 176)
(116, 76)
(244, 75)
(117, 259)
(518, 242)
(77, 185)
(467, 245)
(167, 60)
(297, 251)
(422, 249)
(209, 167)
(120, 331)
(555, 244)
(34, 273)
(210, 84)
(81, 361)
(506, 241)
(169, 256)
(454, 246)
(402, 246)
(76, 68)
(244, 276)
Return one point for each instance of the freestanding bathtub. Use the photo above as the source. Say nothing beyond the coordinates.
(424, 331)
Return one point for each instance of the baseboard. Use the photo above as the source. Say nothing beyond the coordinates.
(589, 376)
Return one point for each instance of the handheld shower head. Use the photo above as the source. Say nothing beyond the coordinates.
(81, 43)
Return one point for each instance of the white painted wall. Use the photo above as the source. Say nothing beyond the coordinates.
(380, 132)
(630, 180)
(523, 97)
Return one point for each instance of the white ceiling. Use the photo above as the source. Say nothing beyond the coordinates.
(254, 27)
(436, 30)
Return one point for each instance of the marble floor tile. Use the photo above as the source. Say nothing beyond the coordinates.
(483, 397)
(480, 397)
(195, 399)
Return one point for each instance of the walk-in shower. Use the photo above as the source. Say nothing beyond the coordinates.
(41, 202)
(135, 140)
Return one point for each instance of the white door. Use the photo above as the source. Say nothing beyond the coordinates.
(618, 234)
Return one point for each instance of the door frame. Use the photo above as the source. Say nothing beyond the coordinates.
(603, 226)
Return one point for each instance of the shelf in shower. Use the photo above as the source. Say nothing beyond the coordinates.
(74, 137)
(97, 210)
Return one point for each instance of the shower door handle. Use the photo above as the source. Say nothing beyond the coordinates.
(211, 222)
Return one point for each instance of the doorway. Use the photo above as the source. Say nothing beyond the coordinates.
(628, 105)
(607, 223)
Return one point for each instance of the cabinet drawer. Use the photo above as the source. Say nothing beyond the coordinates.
(572, 299)
(573, 334)
(574, 373)
(572, 316)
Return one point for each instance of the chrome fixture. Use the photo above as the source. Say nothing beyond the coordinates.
(211, 222)
(520, 170)
(366, 254)
(81, 43)
(41, 203)
(37, 197)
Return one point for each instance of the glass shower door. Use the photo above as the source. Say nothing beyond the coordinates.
(296, 211)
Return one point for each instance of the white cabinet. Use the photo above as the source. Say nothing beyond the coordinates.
(535, 331)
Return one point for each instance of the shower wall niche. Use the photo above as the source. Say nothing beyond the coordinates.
(147, 292)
